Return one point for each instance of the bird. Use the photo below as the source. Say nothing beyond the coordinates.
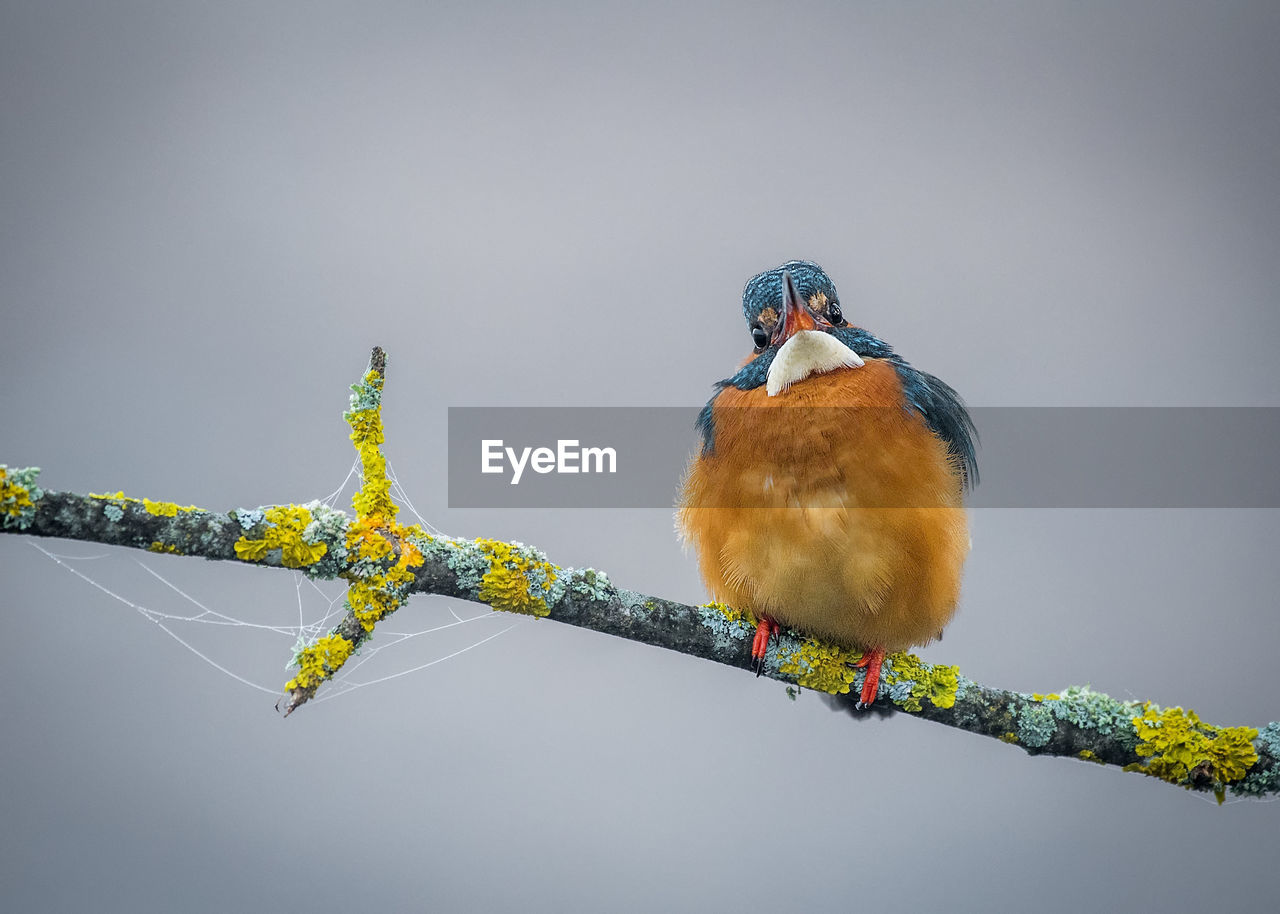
(827, 494)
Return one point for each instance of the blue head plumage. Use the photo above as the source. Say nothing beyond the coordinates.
(935, 400)
(764, 290)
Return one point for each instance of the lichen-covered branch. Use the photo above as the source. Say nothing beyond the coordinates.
(385, 562)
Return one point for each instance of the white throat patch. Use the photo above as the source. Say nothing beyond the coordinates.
(808, 352)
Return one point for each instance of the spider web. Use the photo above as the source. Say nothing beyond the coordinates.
(217, 635)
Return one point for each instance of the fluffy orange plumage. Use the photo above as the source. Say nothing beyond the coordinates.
(796, 515)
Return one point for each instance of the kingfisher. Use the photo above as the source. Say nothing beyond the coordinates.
(828, 492)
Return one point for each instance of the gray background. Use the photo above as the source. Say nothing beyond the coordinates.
(209, 215)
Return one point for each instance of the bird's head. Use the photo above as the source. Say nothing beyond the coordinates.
(792, 312)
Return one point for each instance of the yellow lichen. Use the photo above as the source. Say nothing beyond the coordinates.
(375, 536)
(380, 553)
(319, 661)
(374, 497)
(13, 496)
(373, 595)
(284, 532)
(368, 602)
(1175, 743)
(936, 682)
(366, 539)
(116, 498)
(165, 508)
(1090, 756)
(158, 508)
(508, 584)
(1008, 736)
(733, 615)
(366, 426)
(157, 546)
(820, 666)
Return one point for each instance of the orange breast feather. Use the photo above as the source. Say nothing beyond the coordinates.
(830, 508)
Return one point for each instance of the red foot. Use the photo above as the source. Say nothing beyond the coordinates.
(872, 660)
(765, 629)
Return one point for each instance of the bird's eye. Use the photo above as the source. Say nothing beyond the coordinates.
(759, 337)
(834, 315)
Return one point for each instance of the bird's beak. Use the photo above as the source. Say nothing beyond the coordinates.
(795, 313)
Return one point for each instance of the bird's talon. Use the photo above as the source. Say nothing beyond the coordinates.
(873, 660)
(760, 644)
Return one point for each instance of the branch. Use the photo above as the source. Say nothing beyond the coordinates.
(385, 562)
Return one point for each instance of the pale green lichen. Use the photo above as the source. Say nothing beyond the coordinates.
(1269, 736)
(114, 513)
(591, 584)
(248, 519)
(467, 561)
(328, 526)
(1175, 743)
(1037, 714)
(18, 496)
(728, 626)
(1090, 710)
(366, 395)
(1036, 725)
